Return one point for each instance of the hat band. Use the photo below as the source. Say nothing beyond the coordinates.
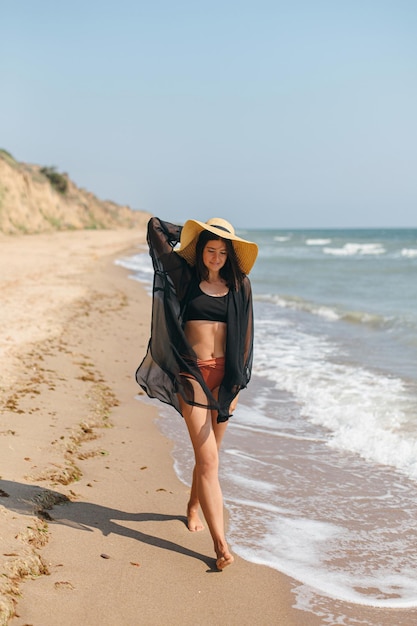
(221, 228)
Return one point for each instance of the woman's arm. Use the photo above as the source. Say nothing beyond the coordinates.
(248, 345)
(162, 238)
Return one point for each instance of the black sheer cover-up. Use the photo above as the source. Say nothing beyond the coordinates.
(170, 361)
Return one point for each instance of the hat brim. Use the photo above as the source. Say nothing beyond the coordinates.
(246, 251)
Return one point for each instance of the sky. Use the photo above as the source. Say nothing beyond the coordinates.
(271, 114)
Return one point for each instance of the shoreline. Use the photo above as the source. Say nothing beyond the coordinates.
(92, 498)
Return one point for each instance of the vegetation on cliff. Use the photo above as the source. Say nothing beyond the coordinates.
(57, 180)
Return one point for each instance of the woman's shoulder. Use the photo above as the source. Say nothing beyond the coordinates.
(245, 290)
(245, 284)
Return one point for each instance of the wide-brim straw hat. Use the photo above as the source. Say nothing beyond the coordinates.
(246, 251)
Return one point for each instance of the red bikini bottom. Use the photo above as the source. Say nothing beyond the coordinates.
(212, 371)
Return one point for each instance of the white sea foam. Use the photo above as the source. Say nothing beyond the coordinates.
(410, 253)
(263, 422)
(330, 313)
(267, 507)
(277, 433)
(318, 242)
(252, 484)
(281, 239)
(309, 601)
(357, 249)
(304, 549)
(141, 265)
(248, 458)
(298, 304)
(366, 412)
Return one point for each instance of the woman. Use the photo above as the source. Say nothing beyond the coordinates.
(200, 353)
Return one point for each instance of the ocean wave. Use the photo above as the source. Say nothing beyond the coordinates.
(357, 249)
(410, 253)
(369, 319)
(141, 266)
(298, 304)
(276, 433)
(318, 242)
(330, 313)
(282, 238)
(366, 412)
(310, 544)
(138, 262)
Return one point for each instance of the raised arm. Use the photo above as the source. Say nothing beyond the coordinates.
(162, 238)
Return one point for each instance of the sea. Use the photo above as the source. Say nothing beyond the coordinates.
(319, 464)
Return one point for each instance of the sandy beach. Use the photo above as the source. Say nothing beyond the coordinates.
(92, 514)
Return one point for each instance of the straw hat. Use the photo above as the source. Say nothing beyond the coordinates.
(246, 251)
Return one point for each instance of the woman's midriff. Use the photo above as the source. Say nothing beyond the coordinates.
(207, 339)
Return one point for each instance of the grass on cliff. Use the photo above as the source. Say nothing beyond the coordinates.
(7, 157)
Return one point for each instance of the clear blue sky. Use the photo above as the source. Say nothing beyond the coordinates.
(277, 113)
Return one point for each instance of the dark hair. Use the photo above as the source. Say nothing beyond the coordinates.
(230, 272)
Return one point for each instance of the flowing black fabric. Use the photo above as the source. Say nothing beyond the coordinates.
(170, 361)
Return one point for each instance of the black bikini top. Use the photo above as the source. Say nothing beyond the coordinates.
(201, 306)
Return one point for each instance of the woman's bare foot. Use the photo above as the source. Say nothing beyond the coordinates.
(224, 561)
(194, 522)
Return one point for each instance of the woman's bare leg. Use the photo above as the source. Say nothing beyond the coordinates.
(194, 522)
(207, 486)
(193, 519)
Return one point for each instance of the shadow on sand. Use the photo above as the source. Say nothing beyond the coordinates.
(38, 501)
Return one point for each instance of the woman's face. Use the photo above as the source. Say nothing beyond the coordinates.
(215, 255)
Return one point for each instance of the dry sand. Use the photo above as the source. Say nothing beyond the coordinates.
(91, 512)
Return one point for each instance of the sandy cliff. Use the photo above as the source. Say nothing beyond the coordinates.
(31, 203)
